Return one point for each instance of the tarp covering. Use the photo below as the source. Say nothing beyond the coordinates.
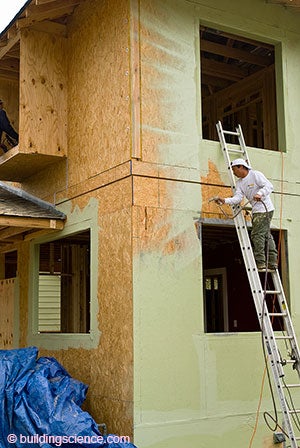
(40, 405)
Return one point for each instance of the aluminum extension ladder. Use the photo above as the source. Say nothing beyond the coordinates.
(281, 350)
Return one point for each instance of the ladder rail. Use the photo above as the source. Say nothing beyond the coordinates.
(287, 319)
(259, 297)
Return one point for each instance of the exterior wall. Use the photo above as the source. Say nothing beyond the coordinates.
(192, 388)
(187, 388)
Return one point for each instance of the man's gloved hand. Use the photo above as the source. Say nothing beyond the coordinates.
(217, 200)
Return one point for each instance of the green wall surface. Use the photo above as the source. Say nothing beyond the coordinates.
(193, 389)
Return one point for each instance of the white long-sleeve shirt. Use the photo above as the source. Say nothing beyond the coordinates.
(254, 183)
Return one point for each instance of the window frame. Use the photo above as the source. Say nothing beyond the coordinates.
(65, 340)
(282, 234)
(279, 77)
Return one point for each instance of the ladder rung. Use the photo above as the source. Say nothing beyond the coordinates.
(235, 150)
(292, 385)
(290, 361)
(231, 133)
(284, 337)
(277, 314)
(270, 291)
(294, 411)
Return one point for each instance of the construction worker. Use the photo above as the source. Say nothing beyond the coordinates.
(256, 188)
(5, 126)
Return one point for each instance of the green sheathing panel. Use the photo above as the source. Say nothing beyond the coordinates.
(192, 389)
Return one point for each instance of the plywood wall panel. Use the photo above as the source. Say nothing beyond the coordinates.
(43, 93)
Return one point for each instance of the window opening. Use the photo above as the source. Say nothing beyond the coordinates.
(228, 302)
(238, 87)
(10, 261)
(64, 285)
(215, 300)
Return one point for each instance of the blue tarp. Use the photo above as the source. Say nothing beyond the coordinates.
(40, 405)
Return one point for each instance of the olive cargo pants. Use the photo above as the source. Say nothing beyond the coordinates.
(262, 239)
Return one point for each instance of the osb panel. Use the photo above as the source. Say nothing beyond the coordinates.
(116, 196)
(78, 362)
(146, 191)
(7, 294)
(212, 185)
(99, 88)
(153, 230)
(43, 93)
(9, 93)
(113, 362)
(117, 415)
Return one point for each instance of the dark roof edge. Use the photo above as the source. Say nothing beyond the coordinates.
(15, 18)
(29, 197)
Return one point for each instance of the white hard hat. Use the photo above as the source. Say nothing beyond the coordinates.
(240, 162)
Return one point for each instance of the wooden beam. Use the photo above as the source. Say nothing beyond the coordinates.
(222, 70)
(9, 75)
(42, 2)
(9, 232)
(235, 53)
(9, 45)
(47, 15)
(37, 234)
(11, 64)
(51, 27)
(31, 223)
(240, 38)
(49, 8)
(220, 83)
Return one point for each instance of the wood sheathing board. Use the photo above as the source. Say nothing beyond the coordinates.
(98, 88)
(212, 185)
(112, 381)
(43, 93)
(7, 294)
